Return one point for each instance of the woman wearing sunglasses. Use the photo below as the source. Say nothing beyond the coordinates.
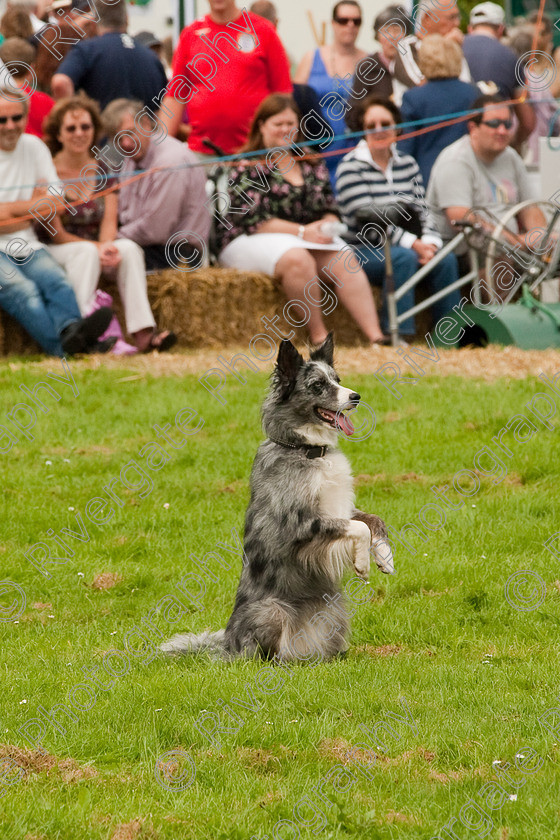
(282, 221)
(329, 71)
(71, 131)
(374, 175)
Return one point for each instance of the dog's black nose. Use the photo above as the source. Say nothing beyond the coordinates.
(355, 397)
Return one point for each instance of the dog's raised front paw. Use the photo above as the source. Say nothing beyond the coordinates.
(361, 537)
(383, 556)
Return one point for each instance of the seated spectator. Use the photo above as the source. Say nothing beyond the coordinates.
(111, 65)
(33, 288)
(481, 170)
(280, 230)
(444, 93)
(375, 175)
(71, 130)
(490, 60)
(374, 74)
(168, 203)
(20, 55)
(442, 19)
(254, 69)
(328, 71)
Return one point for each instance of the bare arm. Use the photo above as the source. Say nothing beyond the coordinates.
(304, 69)
(172, 121)
(555, 84)
(61, 86)
(14, 210)
(455, 214)
(109, 223)
(531, 218)
(312, 231)
(526, 117)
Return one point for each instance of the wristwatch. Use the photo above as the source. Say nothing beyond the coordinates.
(301, 231)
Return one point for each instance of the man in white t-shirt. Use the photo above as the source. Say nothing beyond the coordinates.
(481, 170)
(33, 287)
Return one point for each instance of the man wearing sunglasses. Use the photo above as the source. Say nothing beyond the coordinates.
(33, 287)
(482, 170)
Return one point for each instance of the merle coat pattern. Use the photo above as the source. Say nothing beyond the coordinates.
(302, 530)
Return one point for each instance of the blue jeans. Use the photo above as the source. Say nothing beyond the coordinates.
(405, 264)
(34, 291)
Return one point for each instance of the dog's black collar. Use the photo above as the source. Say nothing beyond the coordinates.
(310, 450)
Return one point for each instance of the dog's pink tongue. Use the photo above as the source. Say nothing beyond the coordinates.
(344, 424)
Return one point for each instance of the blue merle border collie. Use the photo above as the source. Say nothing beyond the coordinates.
(302, 531)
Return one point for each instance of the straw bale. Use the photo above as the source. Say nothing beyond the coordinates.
(210, 307)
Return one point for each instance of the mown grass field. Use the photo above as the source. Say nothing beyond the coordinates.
(439, 639)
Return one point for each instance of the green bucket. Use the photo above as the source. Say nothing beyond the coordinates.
(528, 324)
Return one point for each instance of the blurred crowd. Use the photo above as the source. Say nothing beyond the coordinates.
(110, 144)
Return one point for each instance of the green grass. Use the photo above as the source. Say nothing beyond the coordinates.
(475, 673)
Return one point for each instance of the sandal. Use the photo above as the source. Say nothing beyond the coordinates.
(161, 341)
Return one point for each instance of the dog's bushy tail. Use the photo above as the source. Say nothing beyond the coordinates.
(206, 642)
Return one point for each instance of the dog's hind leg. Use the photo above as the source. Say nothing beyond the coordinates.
(319, 633)
(257, 629)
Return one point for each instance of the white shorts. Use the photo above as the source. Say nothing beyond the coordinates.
(261, 251)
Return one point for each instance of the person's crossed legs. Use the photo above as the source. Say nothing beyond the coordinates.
(34, 291)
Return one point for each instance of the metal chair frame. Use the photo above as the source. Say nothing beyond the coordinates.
(480, 243)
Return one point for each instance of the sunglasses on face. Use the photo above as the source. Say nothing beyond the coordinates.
(84, 126)
(497, 123)
(382, 124)
(18, 118)
(344, 21)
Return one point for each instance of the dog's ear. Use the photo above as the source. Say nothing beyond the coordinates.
(288, 363)
(324, 353)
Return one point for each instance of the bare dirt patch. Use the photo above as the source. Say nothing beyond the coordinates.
(131, 830)
(33, 761)
(395, 817)
(106, 580)
(261, 759)
(366, 478)
(380, 651)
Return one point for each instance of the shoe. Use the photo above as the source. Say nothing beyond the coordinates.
(79, 336)
(387, 342)
(161, 341)
(103, 346)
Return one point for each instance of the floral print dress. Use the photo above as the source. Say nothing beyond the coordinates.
(259, 193)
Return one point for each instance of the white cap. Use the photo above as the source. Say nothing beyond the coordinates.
(487, 13)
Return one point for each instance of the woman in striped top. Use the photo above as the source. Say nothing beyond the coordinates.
(375, 174)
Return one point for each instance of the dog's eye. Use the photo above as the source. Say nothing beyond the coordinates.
(316, 388)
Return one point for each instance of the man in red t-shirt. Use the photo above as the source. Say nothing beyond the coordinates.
(223, 67)
(19, 55)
